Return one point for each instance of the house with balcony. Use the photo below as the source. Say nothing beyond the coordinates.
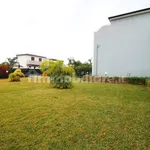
(30, 63)
(29, 60)
(122, 48)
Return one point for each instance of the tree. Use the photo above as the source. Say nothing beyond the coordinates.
(73, 62)
(90, 61)
(60, 74)
(12, 62)
(46, 65)
(79, 67)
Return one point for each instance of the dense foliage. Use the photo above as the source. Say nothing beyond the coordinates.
(27, 71)
(4, 71)
(148, 83)
(101, 79)
(45, 65)
(60, 75)
(19, 73)
(13, 77)
(115, 79)
(80, 68)
(11, 62)
(137, 80)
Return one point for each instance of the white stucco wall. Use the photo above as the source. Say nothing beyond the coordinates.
(124, 47)
(23, 60)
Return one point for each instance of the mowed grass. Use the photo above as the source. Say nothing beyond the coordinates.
(89, 116)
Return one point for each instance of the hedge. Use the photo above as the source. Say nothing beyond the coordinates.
(126, 80)
(4, 71)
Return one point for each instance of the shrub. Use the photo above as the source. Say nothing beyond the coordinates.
(19, 73)
(45, 74)
(148, 85)
(148, 82)
(27, 71)
(61, 81)
(106, 79)
(4, 71)
(14, 77)
(137, 80)
(116, 79)
(60, 75)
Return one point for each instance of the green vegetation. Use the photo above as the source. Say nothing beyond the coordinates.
(148, 83)
(89, 116)
(13, 77)
(19, 73)
(80, 68)
(137, 80)
(115, 79)
(60, 75)
(11, 62)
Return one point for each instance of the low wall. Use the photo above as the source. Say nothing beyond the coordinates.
(117, 80)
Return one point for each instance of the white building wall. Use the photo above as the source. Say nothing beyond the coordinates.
(124, 47)
(24, 59)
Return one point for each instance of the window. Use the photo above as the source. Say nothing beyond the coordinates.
(40, 59)
(32, 58)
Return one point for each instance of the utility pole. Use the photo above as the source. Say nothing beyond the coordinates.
(97, 59)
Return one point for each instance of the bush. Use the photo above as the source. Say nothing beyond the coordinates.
(115, 79)
(60, 75)
(148, 82)
(14, 77)
(19, 73)
(45, 74)
(137, 80)
(27, 71)
(4, 71)
(61, 81)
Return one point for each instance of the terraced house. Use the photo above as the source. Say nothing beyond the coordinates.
(123, 47)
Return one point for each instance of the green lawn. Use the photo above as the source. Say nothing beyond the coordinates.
(89, 116)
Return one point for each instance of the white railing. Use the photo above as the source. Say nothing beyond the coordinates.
(30, 62)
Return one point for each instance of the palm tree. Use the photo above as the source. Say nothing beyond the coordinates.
(12, 62)
(90, 61)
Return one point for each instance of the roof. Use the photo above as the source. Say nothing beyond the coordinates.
(54, 59)
(30, 55)
(137, 12)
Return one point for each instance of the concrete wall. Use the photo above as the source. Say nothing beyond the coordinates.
(23, 60)
(124, 47)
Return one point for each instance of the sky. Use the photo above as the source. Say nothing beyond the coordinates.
(57, 29)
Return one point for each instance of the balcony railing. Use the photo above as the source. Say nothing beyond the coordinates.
(33, 63)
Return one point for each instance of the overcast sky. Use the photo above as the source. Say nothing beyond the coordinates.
(56, 28)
